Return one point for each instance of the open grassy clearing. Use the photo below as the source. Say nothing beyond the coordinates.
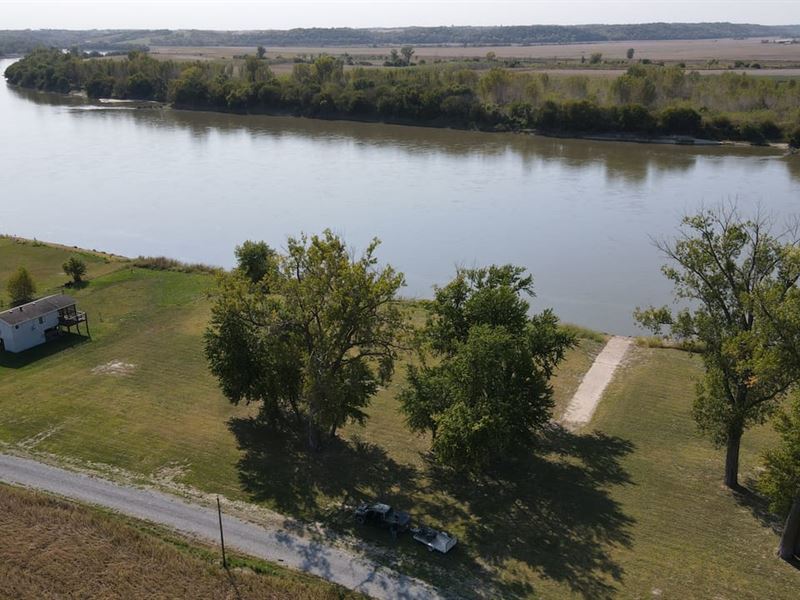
(689, 537)
(138, 397)
(634, 507)
(44, 263)
(54, 549)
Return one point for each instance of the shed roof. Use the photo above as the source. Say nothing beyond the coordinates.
(37, 308)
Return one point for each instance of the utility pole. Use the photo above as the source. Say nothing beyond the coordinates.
(221, 536)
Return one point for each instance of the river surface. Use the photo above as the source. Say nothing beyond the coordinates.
(579, 215)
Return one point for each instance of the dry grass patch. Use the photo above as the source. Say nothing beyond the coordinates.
(55, 549)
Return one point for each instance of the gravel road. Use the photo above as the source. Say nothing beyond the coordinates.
(276, 545)
(587, 397)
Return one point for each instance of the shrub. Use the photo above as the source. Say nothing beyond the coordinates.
(75, 267)
(680, 120)
(752, 133)
(794, 138)
(100, 86)
(635, 118)
(20, 287)
(162, 263)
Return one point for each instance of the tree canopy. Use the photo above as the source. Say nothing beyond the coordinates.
(313, 344)
(740, 281)
(481, 388)
(20, 287)
(75, 267)
(781, 477)
(255, 260)
(647, 100)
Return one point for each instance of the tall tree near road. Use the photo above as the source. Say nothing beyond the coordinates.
(313, 343)
(482, 385)
(740, 280)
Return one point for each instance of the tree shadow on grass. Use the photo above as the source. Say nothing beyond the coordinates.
(758, 505)
(19, 360)
(276, 466)
(551, 511)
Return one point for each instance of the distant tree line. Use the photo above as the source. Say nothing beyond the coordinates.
(25, 41)
(646, 100)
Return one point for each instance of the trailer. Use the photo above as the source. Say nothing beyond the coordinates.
(433, 539)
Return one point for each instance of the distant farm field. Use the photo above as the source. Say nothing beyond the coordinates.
(668, 50)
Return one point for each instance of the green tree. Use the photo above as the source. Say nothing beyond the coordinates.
(741, 284)
(394, 59)
(100, 86)
(191, 88)
(261, 52)
(327, 69)
(315, 347)
(75, 267)
(794, 139)
(595, 58)
(407, 52)
(630, 53)
(255, 260)
(495, 86)
(20, 287)
(680, 119)
(781, 478)
(481, 388)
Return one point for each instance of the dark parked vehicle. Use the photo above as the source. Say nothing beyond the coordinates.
(383, 515)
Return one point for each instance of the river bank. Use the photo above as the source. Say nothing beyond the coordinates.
(648, 103)
(677, 140)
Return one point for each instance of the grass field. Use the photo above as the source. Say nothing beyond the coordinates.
(54, 549)
(634, 507)
(781, 60)
(44, 263)
(677, 50)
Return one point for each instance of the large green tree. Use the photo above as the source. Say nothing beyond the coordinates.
(781, 478)
(739, 282)
(481, 386)
(20, 287)
(314, 342)
(255, 260)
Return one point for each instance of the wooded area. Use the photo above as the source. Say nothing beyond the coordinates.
(647, 100)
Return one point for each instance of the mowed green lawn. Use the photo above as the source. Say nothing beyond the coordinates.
(44, 262)
(634, 510)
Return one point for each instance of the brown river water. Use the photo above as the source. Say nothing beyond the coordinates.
(579, 215)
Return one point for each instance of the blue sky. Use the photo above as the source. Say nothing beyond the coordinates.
(280, 14)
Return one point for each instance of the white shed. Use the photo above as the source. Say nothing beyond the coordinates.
(35, 323)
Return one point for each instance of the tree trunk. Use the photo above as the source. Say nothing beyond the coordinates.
(791, 532)
(732, 458)
(314, 438)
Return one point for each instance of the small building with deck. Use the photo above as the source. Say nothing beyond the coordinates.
(37, 322)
